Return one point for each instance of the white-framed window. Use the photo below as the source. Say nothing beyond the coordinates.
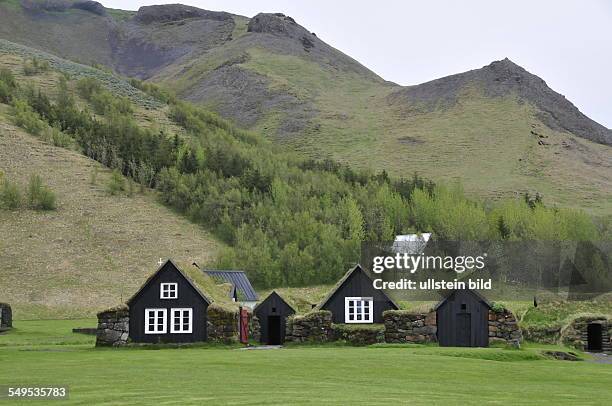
(155, 321)
(181, 320)
(168, 290)
(358, 310)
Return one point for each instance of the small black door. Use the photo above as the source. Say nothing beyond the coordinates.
(464, 328)
(594, 336)
(274, 330)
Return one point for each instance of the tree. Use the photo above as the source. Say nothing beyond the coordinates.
(116, 183)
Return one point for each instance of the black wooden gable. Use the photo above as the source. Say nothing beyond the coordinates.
(276, 301)
(356, 283)
(451, 295)
(272, 314)
(170, 267)
(148, 306)
(462, 319)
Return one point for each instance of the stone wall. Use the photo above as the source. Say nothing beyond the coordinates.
(402, 326)
(359, 334)
(315, 326)
(503, 328)
(575, 334)
(254, 328)
(6, 316)
(223, 324)
(113, 327)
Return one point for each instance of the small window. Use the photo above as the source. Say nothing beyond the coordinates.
(274, 310)
(155, 321)
(463, 306)
(358, 310)
(181, 322)
(168, 291)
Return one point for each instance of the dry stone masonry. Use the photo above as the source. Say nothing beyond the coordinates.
(503, 328)
(402, 326)
(576, 333)
(315, 326)
(113, 327)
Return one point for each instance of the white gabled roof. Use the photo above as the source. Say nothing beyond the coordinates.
(411, 243)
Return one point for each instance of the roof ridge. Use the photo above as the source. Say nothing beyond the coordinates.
(341, 282)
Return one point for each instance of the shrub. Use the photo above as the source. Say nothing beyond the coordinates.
(93, 177)
(102, 102)
(40, 197)
(87, 87)
(54, 136)
(130, 192)
(116, 183)
(46, 199)
(7, 77)
(498, 307)
(26, 118)
(35, 66)
(10, 196)
(5, 93)
(8, 85)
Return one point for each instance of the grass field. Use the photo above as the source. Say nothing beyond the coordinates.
(45, 353)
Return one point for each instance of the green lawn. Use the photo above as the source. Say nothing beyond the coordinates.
(45, 352)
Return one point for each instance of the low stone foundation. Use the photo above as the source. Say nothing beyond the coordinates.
(6, 316)
(576, 333)
(113, 327)
(359, 334)
(402, 326)
(315, 326)
(223, 324)
(503, 328)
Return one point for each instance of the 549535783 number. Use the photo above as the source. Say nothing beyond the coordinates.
(33, 392)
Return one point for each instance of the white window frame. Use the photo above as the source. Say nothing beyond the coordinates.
(182, 329)
(153, 328)
(167, 289)
(359, 309)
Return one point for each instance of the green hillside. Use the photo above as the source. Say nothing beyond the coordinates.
(498, 129)
(95, 249)
(286, 220)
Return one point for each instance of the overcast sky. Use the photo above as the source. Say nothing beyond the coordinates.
(567, 43)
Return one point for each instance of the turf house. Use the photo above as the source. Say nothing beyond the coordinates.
(173, 305)
(355, 301)
(462, 319)
(272, 314)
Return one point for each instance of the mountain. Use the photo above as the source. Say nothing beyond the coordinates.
(500, 79)
(499, 129)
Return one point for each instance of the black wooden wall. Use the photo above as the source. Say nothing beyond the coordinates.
(454, 312)
(358, 284)
(148, 297)
(273, 305)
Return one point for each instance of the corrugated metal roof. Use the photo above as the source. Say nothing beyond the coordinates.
(238, 279)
